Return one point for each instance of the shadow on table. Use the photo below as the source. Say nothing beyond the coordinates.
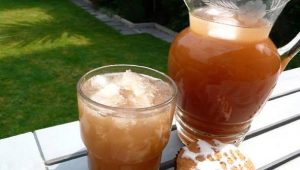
(80, 163)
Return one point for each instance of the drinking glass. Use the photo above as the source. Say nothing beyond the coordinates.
(124, 137)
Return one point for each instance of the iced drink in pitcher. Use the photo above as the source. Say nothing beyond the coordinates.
(225, 67)
(125, 115)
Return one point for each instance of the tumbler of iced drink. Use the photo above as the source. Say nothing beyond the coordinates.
(125, 114)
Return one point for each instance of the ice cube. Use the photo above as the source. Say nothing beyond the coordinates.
(129, 79)
(224, 32)
(252, 12)
(110, 90)
(144, 100)
(146, 97)
(139, 88)
(129, 89)
(98, 81)
(109, 95)
(217, 11)
(135, 82)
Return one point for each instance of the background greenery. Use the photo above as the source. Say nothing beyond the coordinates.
(45, 47)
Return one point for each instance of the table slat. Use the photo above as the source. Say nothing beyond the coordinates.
(291, 165)
(20, 153)
(277, 110)
(60, 142)
(273, 145)
(74, 164)
(288, 82)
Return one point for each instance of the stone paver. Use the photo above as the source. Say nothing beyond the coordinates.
(20, 153)
(102, 18)
(60, 142)
(157, 33)
(126, 27)
(114, 23)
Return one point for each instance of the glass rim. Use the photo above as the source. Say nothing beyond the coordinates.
(280, 4)
(124, 109)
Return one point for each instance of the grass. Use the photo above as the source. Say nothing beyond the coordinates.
(45, 47)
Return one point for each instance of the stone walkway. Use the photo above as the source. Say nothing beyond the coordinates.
(126, 27)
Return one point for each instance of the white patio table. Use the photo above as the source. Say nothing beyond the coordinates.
(273, 141)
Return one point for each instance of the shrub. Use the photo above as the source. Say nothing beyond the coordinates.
(287, 24)
(174, 14)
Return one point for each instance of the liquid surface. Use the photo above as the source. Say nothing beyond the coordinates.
(125, 142)
(222, 81)
(127, 90)
(222, 24)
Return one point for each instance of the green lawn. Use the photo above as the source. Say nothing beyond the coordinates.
(45, 46)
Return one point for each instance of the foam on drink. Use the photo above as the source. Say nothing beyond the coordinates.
(127, 90)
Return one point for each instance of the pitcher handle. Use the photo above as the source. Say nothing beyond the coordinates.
(288, 51)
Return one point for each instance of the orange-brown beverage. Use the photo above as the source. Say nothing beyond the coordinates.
(125, 117)
(224, 74)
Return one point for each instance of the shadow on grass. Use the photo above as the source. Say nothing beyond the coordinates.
(23, 33)
(41, 60)
(57, 22)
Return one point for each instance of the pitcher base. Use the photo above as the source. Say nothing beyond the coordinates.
(188, 134)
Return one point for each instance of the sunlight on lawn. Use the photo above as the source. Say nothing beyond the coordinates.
(28, 29)
(32, 15)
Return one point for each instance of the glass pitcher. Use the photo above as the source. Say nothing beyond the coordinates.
(225, 66)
